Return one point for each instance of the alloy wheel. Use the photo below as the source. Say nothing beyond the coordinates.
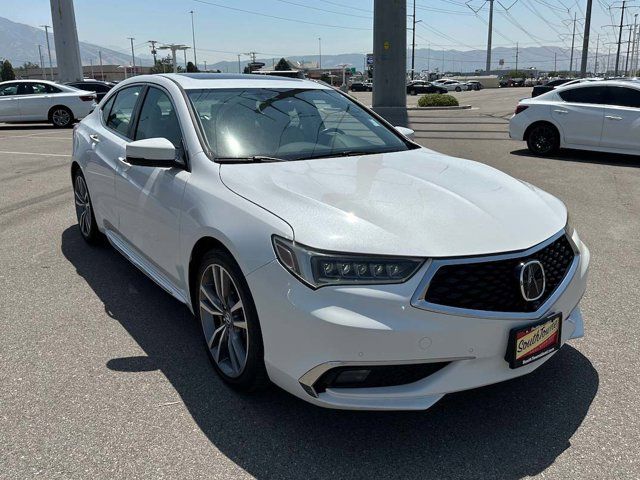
(224, 321)
(542, 139)
(61, 117)
(83, 206)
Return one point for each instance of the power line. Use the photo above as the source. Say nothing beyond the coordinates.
(266, 15)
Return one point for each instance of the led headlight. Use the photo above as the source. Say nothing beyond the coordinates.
(317, 268)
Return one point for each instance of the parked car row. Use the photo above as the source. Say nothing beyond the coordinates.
(601, 116)
(419, 87)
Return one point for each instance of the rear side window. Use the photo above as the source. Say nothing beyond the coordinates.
(624, 97)
(119, 117)
(107, 108)
(11, 89)
(587, 94)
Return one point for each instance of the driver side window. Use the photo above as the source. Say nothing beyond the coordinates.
(158, 119)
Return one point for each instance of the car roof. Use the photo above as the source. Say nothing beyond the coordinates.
(601, 83)
(194, 81)
(20, 80)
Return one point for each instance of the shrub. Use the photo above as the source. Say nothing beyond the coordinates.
(437, 100)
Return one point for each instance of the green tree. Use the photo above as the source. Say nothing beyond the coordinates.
(282, 65)
(27, 65)
(7, 73)
(191, 68)
(163, 65)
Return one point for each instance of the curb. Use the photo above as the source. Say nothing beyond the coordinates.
(460, 107)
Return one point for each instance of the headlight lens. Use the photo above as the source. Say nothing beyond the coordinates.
(317, 268)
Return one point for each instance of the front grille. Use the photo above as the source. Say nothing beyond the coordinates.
(495, 285)
(378, 375)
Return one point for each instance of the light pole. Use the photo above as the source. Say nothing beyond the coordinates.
(319, 52)
(573, 42)
(239, 64)
(41, 61)
(133, 57)
(193, 35)
(101, 68)
(585, 43)
(46, 33)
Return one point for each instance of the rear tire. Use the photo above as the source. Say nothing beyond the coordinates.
(543, 139)
(230, 325)
(413, 92)
(61, 117)
(458, 89)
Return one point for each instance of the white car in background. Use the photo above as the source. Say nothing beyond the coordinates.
(44, 101)
(322, 249)
(452, 85)
(602, 116)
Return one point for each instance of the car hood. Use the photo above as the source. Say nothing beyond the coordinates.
(414, 203)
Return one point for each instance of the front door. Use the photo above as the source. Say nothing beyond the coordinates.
(150, 198)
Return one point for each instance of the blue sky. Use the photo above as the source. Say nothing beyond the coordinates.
(344, 25)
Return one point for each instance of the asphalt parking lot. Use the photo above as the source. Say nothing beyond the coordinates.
(104, 375)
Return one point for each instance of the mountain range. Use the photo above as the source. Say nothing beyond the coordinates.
(19, 43)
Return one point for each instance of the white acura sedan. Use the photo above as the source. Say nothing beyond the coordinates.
(319, 247)
(44, 101)
(602, 116)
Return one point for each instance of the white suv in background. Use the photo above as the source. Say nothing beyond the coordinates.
(602, 116)
(44, 101)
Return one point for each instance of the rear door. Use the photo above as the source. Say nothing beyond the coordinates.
(9, 102)
(622, 119)
(580, 115)
(35, 100)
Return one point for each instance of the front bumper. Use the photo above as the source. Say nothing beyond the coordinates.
(307, 331)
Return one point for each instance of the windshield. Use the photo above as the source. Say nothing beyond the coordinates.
(290, 124)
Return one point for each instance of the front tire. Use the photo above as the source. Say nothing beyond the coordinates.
(230, 326)
(543, 139)
(458, 89)
(61, 117)
(84, 210)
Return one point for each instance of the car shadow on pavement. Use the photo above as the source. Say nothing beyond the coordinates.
(585, 156)
(510, 430)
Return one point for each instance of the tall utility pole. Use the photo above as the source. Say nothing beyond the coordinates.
(154, 52)
(606, 72)
(573, 42)
(239, 71)
(133, 57)
(101, 68)
(585, 42)
(41, 62)
(595, 66)
(624, 5)
(174, 47)
(555, 62)
(319, 52)
(193, 35)
(205, 65)
(517, 55)
(46, 33)
(626, 63)
(413, 43)
(633, 41)
(489, 37)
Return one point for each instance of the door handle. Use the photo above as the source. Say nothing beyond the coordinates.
(613, 117)
(564, 112)
(125, 165)
(94, 137)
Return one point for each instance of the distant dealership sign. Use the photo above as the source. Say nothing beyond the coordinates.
(369, 59)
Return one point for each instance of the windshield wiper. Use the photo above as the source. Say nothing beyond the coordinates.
(345, 153)
(252, 159)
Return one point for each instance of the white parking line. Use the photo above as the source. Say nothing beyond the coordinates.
(41, 154)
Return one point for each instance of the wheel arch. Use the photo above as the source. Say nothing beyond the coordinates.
(199, 249)
(59, 105)
(527, 132)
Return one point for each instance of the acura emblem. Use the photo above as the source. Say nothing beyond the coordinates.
(532, 280)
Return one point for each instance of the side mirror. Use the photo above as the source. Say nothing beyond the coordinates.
(407, 132)
(151, 152)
